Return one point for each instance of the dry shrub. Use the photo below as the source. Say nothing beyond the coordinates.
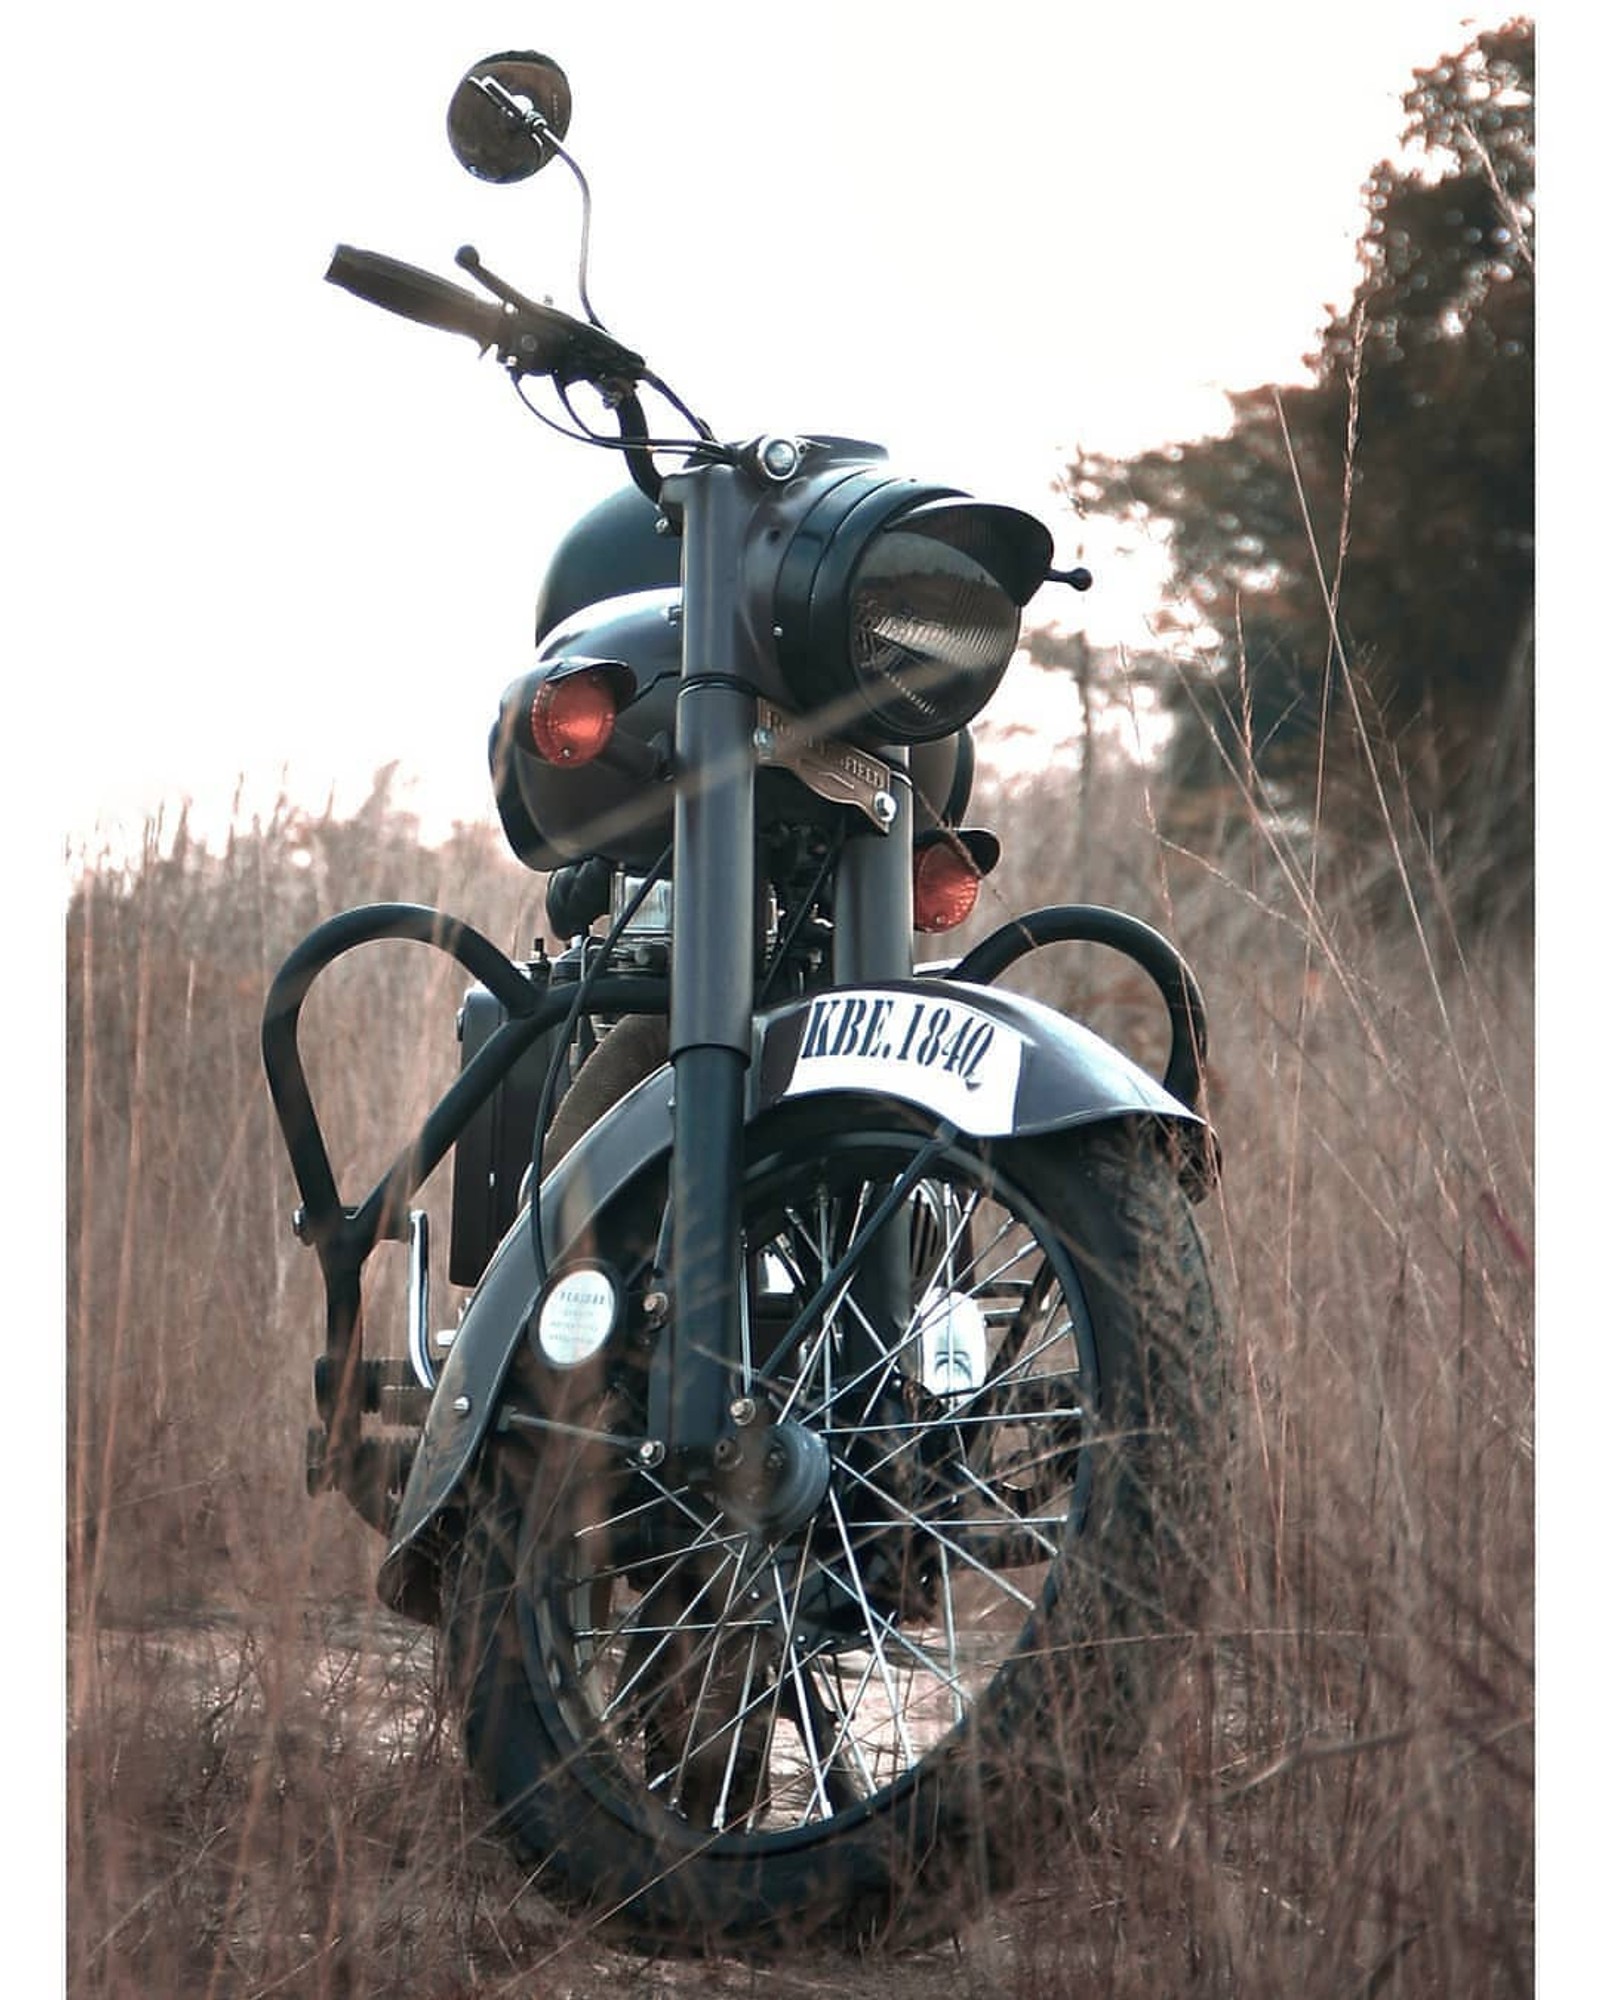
(193, 1313)
(264, 1795)
(1340, 1799)
(256, 1794)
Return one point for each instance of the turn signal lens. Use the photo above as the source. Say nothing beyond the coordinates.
(572, 718)
(944, 887)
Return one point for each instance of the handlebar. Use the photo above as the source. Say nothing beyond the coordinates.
(531, 339)
(419, 295)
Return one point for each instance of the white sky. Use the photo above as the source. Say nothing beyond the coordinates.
(276, 528)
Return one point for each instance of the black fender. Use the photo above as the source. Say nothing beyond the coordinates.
(994, 1063)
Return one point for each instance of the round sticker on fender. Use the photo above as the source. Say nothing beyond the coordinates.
(952, 1059)
(576, 1316)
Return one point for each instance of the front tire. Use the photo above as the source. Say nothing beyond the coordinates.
(853, 1708)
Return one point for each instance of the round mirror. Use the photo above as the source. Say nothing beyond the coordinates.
(497, 112)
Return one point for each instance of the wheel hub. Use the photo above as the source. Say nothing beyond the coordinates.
(778, 1480)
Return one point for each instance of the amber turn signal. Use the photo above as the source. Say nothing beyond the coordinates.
(944, 886)
(571, 718)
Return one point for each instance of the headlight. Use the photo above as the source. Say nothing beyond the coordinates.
(932, 628)
(896, 606)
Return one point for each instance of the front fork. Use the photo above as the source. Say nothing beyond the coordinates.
(697, 1374)
(713, 958)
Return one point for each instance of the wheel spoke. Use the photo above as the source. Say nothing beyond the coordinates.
(625, 1629)
(906, 1346)
(802, 1689)
(731, 1764)
(901, 1516)
(873, 1623)
(706, 1655)
(947, 1606)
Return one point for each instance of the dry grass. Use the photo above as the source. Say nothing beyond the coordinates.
(264, 1794)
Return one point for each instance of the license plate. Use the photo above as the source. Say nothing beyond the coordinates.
(931, 1050)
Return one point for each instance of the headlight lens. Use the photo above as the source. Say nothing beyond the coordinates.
(931, 633)
(898, 606)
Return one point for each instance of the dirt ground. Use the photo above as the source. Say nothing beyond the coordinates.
(236, 1764)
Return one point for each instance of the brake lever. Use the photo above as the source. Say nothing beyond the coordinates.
(543, 340)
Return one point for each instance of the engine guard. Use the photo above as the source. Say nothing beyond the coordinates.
(993, 1063)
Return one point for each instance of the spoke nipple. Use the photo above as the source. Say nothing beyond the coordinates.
(742, 1410)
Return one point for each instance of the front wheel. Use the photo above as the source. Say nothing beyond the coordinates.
(847, 1693)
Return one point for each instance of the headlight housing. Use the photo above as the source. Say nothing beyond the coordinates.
(896, 605)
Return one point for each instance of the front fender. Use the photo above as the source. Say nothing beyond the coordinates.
(996, 1064)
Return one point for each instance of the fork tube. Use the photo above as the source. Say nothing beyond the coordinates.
(713, 968)
(872, 941)
(872, 894)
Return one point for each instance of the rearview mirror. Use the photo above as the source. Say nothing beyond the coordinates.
(501, 110)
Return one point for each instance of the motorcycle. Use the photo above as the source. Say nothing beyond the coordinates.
(812, 1496)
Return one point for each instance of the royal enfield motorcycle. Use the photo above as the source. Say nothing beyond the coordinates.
(812, 1497)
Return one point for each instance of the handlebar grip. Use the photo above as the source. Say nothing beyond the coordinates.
(415, 294)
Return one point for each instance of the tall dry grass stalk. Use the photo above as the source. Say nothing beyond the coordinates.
(1342, 1800)
(264, 1794)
